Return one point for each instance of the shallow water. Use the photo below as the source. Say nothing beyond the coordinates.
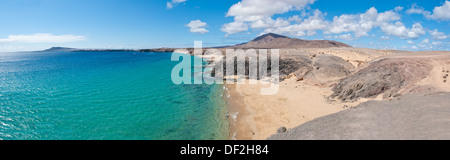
(104, 95)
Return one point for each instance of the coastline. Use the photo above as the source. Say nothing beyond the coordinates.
(240, 129)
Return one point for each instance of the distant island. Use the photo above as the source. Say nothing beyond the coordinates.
(60, 49)
(66, 49)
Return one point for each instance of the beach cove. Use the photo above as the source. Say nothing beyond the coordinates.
(259, 116)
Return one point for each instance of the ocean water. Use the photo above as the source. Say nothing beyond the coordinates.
(103, 96)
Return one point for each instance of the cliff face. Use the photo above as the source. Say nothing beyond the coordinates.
(272, 40)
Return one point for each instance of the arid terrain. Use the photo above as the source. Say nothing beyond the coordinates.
(328, 81)
(318, 82)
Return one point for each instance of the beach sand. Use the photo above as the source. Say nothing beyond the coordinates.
(259, 116)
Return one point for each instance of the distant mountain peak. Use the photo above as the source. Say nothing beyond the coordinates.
(272, 40)
(269, 35)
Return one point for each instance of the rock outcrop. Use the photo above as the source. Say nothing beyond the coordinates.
(386, 76)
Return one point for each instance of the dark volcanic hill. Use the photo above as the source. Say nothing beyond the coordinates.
(271, 40)
(59, 49)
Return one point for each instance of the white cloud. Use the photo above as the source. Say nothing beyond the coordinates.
(173, 3)
(385, 37)
(234, 27)
(440, 13)
(435, 43)
(438, 35)
(197, 26)
(363, 23)
(295, 18)
(422, 46)
(415, 9)
(169, 5)
(43, 38)
(359, 24)
(269, 23)
(249, 10)
(347, 37)
(398, 8)
(410, 42)
(307, 27)
(399, 30)
(258, 14)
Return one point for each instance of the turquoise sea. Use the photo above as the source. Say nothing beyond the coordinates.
(104, 96)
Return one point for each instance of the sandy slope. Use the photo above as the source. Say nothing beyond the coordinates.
(438, 79)
(356, 56)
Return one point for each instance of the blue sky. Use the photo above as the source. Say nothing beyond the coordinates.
(384, 24)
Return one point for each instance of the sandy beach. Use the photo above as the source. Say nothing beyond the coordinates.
(259, 116)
